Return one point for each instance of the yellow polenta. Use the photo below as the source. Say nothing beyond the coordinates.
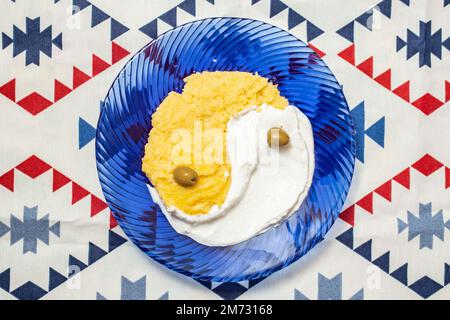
(209, 100)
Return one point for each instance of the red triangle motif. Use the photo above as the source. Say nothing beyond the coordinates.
(447, 91)
(404, 178)
(118, 53)
(97, 205)
(385, 190)
(112, 221)
(348, 54)
(385, 79)
(79, 77)
(319, 52)
(9, 90)
(61, 90)
(59, 180)
(78, 192)
(366, 203)
(366, 67)
(33, 167)
(348, 215)
(427, 104)
(34, 103)
(447, 178)
(427, 165)
(403, 91)
(98, 65)
(7, 180)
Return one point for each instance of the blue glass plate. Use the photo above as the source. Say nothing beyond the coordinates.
(223, 44)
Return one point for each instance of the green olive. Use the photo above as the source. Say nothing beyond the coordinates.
(277, 135)
(185, 176)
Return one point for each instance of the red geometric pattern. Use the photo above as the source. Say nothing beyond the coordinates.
(33, 167)
(425, 165)
(426, 103)
(35, 103)
(319, 52)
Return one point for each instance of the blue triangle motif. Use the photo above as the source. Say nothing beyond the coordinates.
(365, 250)
(150, 29)
(57, 41)
(95, 253)
(97, 16)
(115, 241)
(376, 132)
(383, 262)
(5, 280)
(276, 6)
(400, 44)
(401, 274)
(425, 287)
(3, 229)
(446, 274)
(29, 291)
(446, 43)
(56, 229)
(55, 279)
(447, 224)
(79, 5)
(77, 263)
(358, 115)
(6, 40)
(117, 29)
(188, 6)
(402, 225)
(299, 296)
(294, 19)
(170, 17)
(385, 7)
(348, 31)
(165, 296)
(358, 295)
(229, 290)
(366, 19)
(312, 31)
(346, 238)
(86, 133)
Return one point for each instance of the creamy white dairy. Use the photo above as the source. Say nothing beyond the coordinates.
(267, 184)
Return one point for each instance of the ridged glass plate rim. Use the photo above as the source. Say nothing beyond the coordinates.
(255, 275)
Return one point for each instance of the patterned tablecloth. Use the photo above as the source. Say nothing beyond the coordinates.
(57, 61)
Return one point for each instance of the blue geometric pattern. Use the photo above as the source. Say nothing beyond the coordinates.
(86, 133)
(426, 43)
(376, 131)
(33, 41)
(98, 16)
(365, 19)
(31, 291)
(30, 229)
(133, 290)
(230, 290)
(425, 226)
(425, 286)
(329, 289)
(276, 6)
